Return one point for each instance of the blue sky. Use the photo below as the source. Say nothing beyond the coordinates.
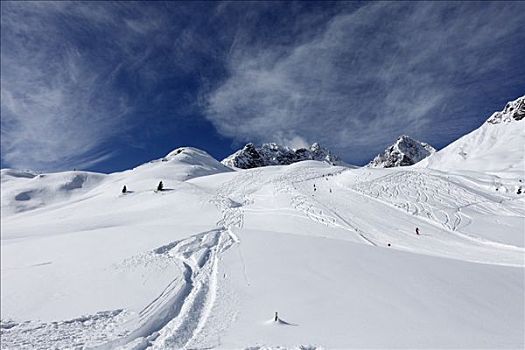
(107, 86)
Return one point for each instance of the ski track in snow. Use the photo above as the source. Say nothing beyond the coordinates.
(200, 258)
(171, 320)
(178, 315)
(440, 201)
(312, 208)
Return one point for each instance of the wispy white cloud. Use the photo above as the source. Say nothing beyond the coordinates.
(79, 76)
(366, 76)
(56, 105)
(60, 99)
(76, 76)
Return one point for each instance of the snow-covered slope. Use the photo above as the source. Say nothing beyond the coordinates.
(206, 263)
(251, 156)
(405, 151)
(23, 191)
(497, 146)
(32, 191)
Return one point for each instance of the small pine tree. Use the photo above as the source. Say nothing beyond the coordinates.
(124, 189)
(160, 187)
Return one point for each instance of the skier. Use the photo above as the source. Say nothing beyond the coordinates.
(417, 231)
(315, 189)
(124, 189)
(160, 187)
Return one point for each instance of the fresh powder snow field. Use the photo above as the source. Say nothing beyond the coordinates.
(207, 262)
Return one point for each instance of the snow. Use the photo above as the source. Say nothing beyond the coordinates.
(207, 262)
(346, 295)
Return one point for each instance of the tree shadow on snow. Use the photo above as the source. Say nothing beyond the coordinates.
(165, 190)
(281, 322)
(284, 323)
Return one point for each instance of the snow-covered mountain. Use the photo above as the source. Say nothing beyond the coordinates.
(207, 262)
(497, 146)
(513, 111)
(251, 156)
(31, 191)
(405, 151)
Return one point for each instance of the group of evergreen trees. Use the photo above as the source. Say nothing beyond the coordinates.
(160, 187)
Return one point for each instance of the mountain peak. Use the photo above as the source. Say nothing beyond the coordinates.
(405, 151)
(251, 156)
(513, 111)
(495, 147)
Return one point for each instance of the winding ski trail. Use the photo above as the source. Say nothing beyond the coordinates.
(178, 314)
(176, 317)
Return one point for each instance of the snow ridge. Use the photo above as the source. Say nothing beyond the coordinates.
(405, 151)
(513, 111)
(496, 146)
(251, 156)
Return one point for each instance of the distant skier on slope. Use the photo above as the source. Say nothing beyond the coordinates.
(417, 231)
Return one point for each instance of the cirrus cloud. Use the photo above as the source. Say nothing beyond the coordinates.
(371, 74)
(61, 99)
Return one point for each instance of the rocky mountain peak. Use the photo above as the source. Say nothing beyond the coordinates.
(251, 156)
(513, 111)
(405, 151)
